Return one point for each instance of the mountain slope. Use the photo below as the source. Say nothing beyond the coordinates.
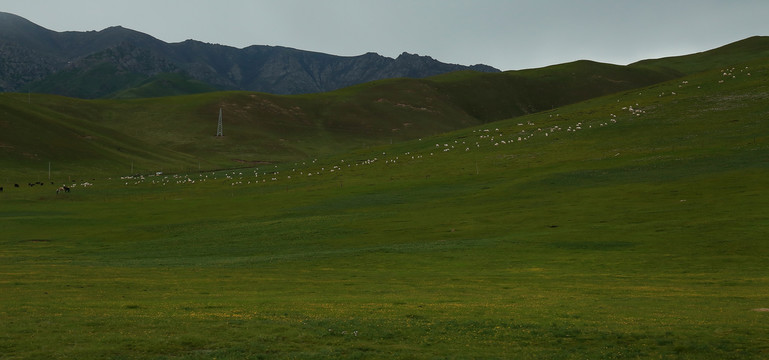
(45, 61)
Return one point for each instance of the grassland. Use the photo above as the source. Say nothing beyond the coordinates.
(628, 226)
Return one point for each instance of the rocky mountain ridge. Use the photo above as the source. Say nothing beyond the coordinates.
(99, 64)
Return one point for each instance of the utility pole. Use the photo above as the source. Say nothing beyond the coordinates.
(219, 131)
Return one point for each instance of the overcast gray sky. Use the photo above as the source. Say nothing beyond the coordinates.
(508, 35)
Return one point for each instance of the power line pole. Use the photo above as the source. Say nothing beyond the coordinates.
(219, 131)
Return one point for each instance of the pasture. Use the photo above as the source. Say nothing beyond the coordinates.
(636, 228)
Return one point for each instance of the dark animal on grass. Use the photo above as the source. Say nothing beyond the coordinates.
(15, 185)
(1, 189)
(63, 188)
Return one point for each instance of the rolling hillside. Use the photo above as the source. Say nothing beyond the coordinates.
(268, 128)
(156, 134)
(756, 47)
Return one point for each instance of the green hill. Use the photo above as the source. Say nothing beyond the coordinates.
(752, 48)
(34, 135)
(178, 131)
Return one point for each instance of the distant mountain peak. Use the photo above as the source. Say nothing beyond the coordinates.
(8, 17)
(14, 25)
(407, 55)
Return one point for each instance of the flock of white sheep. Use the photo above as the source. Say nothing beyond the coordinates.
(481, 138)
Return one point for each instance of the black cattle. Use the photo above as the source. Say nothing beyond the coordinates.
(15, 185)
(1, 189)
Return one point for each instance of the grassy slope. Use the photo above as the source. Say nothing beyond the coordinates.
(268, 128)
(514, 93)
(641, 238)
(746, 50)
(33, 135)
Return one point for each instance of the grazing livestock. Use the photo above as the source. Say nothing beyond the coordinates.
(15, 185)
(1, 189)
(63, 188)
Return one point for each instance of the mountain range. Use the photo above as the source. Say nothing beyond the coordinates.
(121, 63)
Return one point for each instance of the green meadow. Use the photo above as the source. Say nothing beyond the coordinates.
(628, 226)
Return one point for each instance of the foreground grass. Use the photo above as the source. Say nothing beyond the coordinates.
(293, 283)
(644, 238)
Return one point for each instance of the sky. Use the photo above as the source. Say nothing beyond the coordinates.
(508, 35)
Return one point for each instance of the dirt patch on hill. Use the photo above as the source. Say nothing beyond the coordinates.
(253, 162)
(36, 240)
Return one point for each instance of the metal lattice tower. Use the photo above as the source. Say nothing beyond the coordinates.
(219, 131)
